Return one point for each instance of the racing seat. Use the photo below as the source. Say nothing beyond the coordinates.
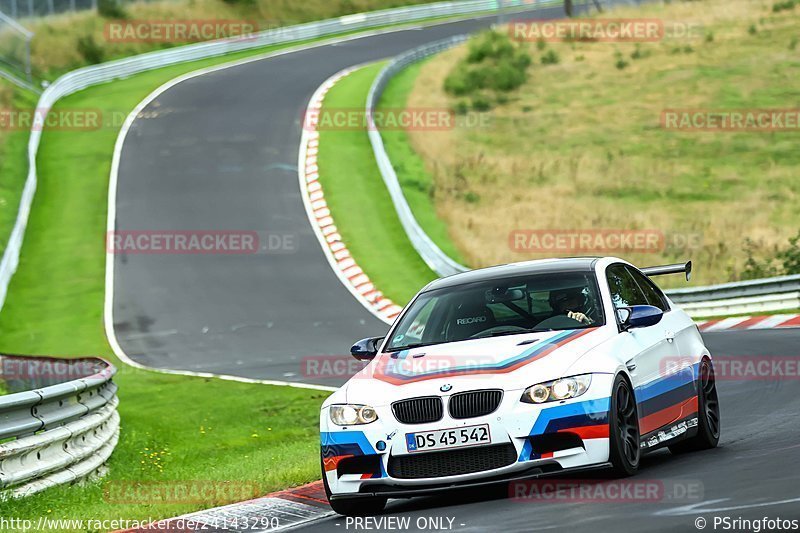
(468, 319)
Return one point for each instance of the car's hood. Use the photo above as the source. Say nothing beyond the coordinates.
(510, 363)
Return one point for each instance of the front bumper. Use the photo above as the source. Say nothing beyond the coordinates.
(537, 439)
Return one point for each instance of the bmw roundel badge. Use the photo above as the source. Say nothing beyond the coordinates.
(446, 388)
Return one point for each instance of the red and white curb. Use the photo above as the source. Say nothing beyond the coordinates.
(750, 322)
(274, 512)
(343, 264)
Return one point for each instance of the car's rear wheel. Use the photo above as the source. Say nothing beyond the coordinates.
(624, 451)
(708, 420)
(363, 506)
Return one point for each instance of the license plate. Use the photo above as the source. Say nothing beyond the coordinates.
(448, 438)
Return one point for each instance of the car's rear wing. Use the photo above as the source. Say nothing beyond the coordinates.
(677, 268)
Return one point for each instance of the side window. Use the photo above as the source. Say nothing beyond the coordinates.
(651, 292)
(624, 290)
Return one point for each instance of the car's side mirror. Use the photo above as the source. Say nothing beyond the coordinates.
(639, 316)
(366, 349)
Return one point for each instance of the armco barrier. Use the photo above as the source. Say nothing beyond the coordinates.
(60, 432)
(433, 256)
(754, 296)
(86, 77)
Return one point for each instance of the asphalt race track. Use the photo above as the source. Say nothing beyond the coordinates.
(219, 153)
(753, 470)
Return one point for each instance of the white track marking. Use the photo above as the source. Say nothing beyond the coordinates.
(108, 314)
(727, 323)
(696, 508)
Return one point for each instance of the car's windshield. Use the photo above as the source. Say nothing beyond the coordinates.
(553, 301)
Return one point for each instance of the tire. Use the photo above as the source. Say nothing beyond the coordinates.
(708, 420)
(623, 437)
(363, 506)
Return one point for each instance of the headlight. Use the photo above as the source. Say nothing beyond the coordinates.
(352, 415)
(560, 389)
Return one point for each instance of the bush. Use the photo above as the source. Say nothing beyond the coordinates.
(783, 6)
(793, 43)
(790, 256)
(550, 58)
(783, 262)
(752, 30)
(111, 9)
(506, 77)
(493, 63)
(472, 197)
(481, 103)
(756, 268)
(638, 53)
(490, 44)
(88, 48)
(461, 108)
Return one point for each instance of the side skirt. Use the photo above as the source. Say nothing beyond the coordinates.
(672, 433)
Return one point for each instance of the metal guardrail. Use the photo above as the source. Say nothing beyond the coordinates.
(86, 77)
(739, 289)
(751, 296)
(15, 46)
(762, 295)
(60, 432)
(433, 256)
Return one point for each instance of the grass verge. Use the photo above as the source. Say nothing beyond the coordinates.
(359, 201)
(13, 157)
(70, 40)
(174, 428)
(416, 181)
(581, 144)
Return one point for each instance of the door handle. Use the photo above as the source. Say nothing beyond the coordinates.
(631, 365)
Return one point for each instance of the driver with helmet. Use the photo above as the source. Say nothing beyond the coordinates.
(570, 302)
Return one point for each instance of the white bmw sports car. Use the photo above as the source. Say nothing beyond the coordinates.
(519, 371)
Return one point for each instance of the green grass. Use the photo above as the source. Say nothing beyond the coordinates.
(581, 145)
(13, 159)
(174, 428)
(56, 49)
(416, 181)
(211, 429)
(359, 201)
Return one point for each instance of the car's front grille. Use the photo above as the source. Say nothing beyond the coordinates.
(474, 403)
(452, 462)
(418, 410)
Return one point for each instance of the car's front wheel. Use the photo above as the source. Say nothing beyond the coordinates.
(363, 506)
(708, 421)
(623, 441)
